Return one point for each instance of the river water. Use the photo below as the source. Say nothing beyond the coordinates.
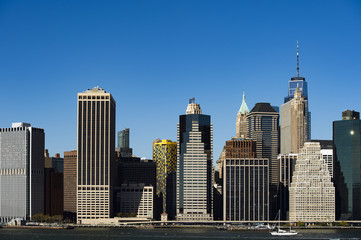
(165, 234)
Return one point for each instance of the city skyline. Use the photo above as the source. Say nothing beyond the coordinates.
(154, 56)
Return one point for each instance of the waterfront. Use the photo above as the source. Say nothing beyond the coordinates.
(166, 233)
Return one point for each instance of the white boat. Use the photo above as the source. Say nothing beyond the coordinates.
(281, 232)
(277, 231)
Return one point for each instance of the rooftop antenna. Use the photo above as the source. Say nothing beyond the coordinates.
(298, 65)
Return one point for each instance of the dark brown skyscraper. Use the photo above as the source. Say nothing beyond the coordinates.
(70, 183)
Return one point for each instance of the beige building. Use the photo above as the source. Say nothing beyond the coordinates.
(312, 194)
(294, 117)
(95, 160)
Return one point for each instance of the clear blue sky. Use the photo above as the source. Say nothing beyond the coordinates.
(152, 56)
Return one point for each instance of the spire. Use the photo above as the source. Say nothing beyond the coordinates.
(243, 109)
(298, 66)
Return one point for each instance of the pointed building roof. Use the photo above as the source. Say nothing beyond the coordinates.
(244, 108)
(263, 107)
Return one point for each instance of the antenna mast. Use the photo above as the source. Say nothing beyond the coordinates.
(298, 66)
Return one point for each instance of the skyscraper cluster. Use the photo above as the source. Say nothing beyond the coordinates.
(270, 166)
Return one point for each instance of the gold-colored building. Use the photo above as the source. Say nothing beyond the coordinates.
(96, 153)
(165, 158)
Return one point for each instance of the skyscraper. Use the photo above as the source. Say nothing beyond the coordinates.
(70, 184)
(263, 127)
(194, 165)
(21, 172)
(165, 158)
(245, 184)
(293, 123)
(347, 164)
(301, 83)
(241, 122)
(123, 138)
(123, 143)
(312, 194)
(95, 160)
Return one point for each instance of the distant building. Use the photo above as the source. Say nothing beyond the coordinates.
(245, 183)
(194, 165)
(123, 143)
(21, 172)
(263, 127)
(165, 158)
(312, 194)
(293, 84)
(241, 122)
(70, 183)
(294, 124)
(123, 138)
(54, 178)
(347, 164)
(95, 163)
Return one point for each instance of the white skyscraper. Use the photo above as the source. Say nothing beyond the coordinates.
(312, 194)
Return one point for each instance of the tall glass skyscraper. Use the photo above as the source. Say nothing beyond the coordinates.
(194, 165)
(301, 83)
(347, 164)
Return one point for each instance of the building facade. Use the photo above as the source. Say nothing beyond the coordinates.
(194, 165)
(136, 199)
(21, 172)
(123, 138)
(245, 182)
(96, 153)
(347, 163)
(165, 158)
(294, 123)
(263, 128)
(70, 183)
(312, 194)
(54, 179)
(246, 190)
(287, 164)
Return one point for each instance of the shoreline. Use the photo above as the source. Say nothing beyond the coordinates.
(150, 226)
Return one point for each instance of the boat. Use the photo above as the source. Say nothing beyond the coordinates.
(277, 231)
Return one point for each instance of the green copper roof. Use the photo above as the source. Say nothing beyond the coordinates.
(244, 109)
